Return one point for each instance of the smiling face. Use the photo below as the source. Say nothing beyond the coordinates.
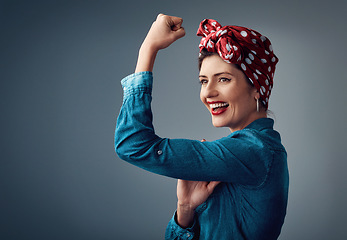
(226, 93)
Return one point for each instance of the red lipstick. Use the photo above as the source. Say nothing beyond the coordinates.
(218, 107)
(218, 111)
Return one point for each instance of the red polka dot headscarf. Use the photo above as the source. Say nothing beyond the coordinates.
(245, 47)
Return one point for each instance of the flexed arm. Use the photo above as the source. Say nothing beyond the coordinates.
(137, 143)
(164, 31)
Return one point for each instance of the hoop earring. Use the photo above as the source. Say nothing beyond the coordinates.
(257, 104)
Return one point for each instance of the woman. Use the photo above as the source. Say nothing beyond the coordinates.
(247, 170)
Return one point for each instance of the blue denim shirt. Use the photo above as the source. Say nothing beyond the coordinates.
(252, 164)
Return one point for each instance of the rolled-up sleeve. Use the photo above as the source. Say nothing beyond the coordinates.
(175, 232)
(236, 158)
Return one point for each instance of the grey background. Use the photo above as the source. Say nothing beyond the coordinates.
(61, 66)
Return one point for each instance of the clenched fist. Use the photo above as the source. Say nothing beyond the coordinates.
(164, 31)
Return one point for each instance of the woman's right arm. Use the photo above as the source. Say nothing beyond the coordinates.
(237, 158)
(229, 159)
(164, 31)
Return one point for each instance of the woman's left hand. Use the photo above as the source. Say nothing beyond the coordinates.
(190, 195)
(193, 193)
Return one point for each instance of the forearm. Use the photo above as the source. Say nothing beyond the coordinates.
(146, 58)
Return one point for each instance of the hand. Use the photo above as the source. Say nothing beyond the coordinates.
(194, 193)
(190, 195)
(164, 31)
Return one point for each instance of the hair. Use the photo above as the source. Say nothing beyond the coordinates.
(204, 54)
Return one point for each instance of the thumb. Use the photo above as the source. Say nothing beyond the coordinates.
(179, 33)
(175, 23)
(176, 26)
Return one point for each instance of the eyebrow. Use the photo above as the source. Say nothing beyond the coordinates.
(217, 74)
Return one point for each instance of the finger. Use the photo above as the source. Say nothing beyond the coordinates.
(172, 21)
(160, 15)
(211, 186)
(179, 181)
(176, 22)
(174, 27)
(179, 33)
(203, 140)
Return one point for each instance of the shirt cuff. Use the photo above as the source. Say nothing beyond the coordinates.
(182, 233)
(137, 82)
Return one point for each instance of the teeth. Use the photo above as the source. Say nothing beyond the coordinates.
(216, 105)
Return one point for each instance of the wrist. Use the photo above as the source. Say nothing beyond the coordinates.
(146, 58)
(149, 48)
(185, 215)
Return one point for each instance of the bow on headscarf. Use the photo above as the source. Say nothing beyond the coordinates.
(245, 47)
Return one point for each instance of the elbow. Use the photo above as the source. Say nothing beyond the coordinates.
(128, 151)
(134, 147)
(119, 147)
(122, 146)
(120, 150)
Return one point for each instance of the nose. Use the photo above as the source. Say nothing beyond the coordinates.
(209, 91)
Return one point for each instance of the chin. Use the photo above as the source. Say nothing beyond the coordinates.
(218, 124)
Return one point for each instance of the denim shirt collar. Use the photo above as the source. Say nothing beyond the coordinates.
(261, 124)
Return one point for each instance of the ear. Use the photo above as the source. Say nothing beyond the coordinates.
(255, 93)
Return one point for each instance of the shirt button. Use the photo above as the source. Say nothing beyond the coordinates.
(124, 88)
(160, 152)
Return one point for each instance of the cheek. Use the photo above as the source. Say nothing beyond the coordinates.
(238, 96)
(245, 101)
(231, 93)
(202, 96)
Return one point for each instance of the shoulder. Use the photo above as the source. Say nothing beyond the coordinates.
(257, 143)
(262, 131)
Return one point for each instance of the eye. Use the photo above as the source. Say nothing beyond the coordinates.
(203, 81)
(224, 79)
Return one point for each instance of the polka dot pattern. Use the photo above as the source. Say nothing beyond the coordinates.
(244, 47)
